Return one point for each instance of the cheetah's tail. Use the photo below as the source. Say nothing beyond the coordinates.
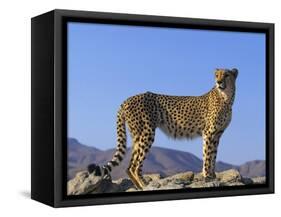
(121, 143)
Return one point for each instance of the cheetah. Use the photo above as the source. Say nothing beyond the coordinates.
(179, 117)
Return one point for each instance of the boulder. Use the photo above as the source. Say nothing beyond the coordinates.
(229, 176)
(259, 180)
(85, 183)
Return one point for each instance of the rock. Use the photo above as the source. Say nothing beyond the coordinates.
(85, 183)
(259, 180)
(124, 184)
(229, 176)
(247, 181)
(92, 183)
(180, 179)
(198, 177)
(233, 184)
(186, 176)
(203, 184)
(171, 186)
(153, 185)
(131, 190)
(152, 177)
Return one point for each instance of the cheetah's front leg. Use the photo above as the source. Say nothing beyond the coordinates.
(210, 148)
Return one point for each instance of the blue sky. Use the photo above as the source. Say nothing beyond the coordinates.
(109, 63)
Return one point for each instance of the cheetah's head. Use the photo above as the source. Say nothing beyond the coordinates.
(225, 77)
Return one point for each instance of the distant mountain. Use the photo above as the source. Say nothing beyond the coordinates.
(159, 160)
(253, 168)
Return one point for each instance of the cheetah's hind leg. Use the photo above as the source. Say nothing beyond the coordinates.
(132, 171)
(138, 156)
(136, 181)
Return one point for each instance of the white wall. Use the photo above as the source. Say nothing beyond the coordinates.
(15, 105)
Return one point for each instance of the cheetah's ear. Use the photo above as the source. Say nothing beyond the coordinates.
(235, 72)
(216, 71)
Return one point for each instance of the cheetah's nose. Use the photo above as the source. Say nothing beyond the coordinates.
(219, 82)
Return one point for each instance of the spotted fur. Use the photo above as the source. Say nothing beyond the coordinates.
(177, 116)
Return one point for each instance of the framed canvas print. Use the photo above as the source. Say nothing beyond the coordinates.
(134, 108)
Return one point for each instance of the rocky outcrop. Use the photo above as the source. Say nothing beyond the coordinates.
(85, 183)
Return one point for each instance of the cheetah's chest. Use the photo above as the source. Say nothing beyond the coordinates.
(222, 119)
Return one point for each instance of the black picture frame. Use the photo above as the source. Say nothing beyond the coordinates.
(49, 106)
